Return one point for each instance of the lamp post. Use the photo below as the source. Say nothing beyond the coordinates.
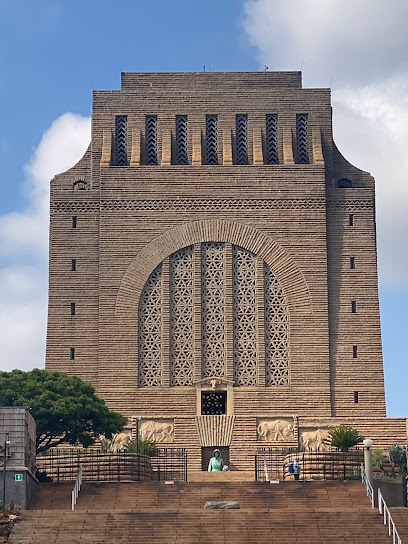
(137, 447)
(6, 444)
(137, 433)
(368, 459)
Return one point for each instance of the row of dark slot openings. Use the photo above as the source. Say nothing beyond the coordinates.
(211, 148)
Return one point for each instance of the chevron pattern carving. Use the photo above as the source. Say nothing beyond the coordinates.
(215, 430)
(181, 139)
(272, 139)
(212, 139)
(151, 140)
(121, 140)
(301, 138)
(242, 139)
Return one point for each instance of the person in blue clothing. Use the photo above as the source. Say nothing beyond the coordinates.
(296, 469)
(216, 462)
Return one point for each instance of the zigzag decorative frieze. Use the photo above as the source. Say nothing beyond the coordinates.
(214, 204)
(215, 430)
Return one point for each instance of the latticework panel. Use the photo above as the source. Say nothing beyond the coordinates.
(121, 140)
(272, 139)
(244, 304)
(242, 139)
(276, 331)
(181, 317)
(301, 138)
(151, 140)
(213, 305)
(150, 326)
(181, 139)
(212, 139)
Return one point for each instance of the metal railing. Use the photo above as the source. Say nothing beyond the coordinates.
(368, 486)
(170, 464)
(330, 464)
(62, 464)
(77, 488)
(383, 508)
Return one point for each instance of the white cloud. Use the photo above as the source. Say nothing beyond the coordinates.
(24, 243)
(362, 45)
(364, 40)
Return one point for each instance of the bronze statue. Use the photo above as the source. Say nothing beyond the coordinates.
(216, 463)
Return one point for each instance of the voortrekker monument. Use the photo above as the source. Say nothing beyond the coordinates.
(213, 267)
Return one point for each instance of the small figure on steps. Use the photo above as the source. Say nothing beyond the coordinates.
(216, 462)
(296, 469)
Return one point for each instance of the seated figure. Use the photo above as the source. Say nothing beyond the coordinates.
(216, 462)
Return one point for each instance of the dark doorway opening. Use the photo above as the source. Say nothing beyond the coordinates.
(213, 403)
(207, 453)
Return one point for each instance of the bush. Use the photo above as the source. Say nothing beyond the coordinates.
(344, 437)
(146, 447)
(397, 456)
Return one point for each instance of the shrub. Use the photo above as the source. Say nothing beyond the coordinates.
(146, 447)
(397, 456)
(344, 437)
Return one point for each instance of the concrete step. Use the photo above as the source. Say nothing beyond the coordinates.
(286, 513)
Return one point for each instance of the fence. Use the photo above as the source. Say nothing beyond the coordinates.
(62, 464)
(273, 464)
(170, 464)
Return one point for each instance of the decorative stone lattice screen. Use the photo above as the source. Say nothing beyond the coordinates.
(234, 286)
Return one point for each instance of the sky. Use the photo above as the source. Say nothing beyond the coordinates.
(53, 53)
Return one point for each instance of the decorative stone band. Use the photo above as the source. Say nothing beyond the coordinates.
(215, 430)
(214, 204)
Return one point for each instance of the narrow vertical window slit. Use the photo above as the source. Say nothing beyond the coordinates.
(151, 140)
(181, 139)
(242, 139)
(272, 139)
(212, 139)
(121, 158)
(302, 138)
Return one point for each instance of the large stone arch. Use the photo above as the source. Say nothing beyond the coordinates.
(214, 230)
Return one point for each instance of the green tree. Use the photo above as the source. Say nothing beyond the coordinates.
(379, 460)
(65, 408)
(344, 437)
(397, 456)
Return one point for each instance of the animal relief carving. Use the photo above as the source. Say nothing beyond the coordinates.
(159, 431)
(276, 430)
(314, 440)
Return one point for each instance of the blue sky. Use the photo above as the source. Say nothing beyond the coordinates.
(53, 53)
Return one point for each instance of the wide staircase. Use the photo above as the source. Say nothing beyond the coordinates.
(156, 512)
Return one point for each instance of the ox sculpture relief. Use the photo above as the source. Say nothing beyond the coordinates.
(120, 441)
(159, 431)
(275, 430)
(314, 440)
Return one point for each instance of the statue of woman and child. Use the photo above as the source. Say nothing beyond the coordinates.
(216, 463)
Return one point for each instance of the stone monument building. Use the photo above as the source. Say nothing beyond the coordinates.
(213, 266)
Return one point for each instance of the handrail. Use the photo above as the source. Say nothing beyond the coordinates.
(77, 488)
(368, 486)
(383, 508)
